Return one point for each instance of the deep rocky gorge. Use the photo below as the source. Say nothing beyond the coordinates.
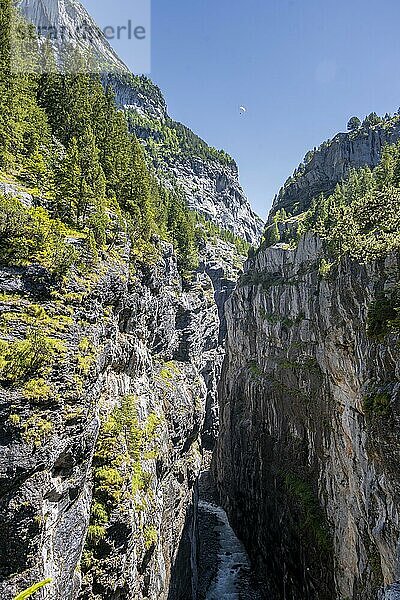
(141, 339)
(172, 403)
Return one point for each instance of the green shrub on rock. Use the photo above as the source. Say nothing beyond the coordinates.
(31, 235)
(37, 389)
(384, 314)
(124, 443)
(377, 404)
(36, 430)
(150, 537)
(29, 358)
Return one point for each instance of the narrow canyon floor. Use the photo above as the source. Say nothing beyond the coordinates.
(225, 570)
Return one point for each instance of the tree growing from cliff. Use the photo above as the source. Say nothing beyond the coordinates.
(361, 218)
(371, 120)
(271, 234)
(64, 135)
(353, 124)
(181, 227)
(23, 125)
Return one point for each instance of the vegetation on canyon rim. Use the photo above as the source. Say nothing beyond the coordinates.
(64, 139)
(359, 219)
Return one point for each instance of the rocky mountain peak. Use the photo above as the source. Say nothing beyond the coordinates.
(66, 23)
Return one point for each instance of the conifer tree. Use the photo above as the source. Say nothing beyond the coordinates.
(5, 71)
(384, 172)
(353, 124)
(181, 226)
(68, 176)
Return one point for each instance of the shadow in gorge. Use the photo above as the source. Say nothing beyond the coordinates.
(183, 584)
(224, 568)
(211, 563)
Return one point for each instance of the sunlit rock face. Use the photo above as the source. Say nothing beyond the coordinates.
(307, 472)
(67, 24)
(326, 166)
(153, 343)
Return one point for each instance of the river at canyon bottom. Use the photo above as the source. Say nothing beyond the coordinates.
(225, 569)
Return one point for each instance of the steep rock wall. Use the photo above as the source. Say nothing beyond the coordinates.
(221, 262)
(331, 162)
(307, 462)
(213, 189)
(141, 337)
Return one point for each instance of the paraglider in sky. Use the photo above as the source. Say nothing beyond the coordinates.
(243, 110)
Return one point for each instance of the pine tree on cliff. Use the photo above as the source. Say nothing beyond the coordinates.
(181, 230)
(113, 141)
(135, 197)
(272, 234)
(80, 182)
(92, 182)
(160, 199)
(5, 92)
(70, 100)
(353, 124)
(52, 90)
(67, 183)
(396, 169)
(371, 120)
(23, 125)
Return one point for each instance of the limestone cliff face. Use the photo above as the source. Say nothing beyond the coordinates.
(212, 188)
(67, 22)
(220, 261)
(138, 338)
(329, 164)
(307, 460)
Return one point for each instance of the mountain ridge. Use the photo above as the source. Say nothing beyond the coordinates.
(210, 186)
(67, 22)
(330, 163)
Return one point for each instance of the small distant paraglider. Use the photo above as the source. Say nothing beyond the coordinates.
(243, 110)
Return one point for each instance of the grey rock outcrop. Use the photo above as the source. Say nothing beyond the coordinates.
(213, 189)
(144, 338)
(331, 162)
(391, 593)
(138, 94)
(308, 473)
(222, 264)
(67, 23)
(8, 189)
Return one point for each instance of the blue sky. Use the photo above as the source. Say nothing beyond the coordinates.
(301, 67)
